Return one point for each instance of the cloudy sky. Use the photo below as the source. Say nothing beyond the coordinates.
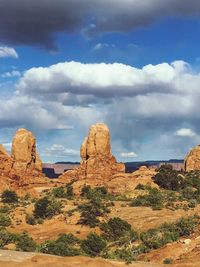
(132, 64)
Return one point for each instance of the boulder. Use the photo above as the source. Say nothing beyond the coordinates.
(98, 165)
(192, 160)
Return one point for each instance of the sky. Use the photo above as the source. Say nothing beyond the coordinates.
(132, 64)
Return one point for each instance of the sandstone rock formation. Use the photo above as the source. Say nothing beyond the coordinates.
(23, 169)
(6, 161)
(25, 158)
(192, 160)
(98, 165)
(127, 182)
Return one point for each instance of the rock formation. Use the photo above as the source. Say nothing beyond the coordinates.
(25, 158)
(192, 160)
(98, 165)
(6, 161)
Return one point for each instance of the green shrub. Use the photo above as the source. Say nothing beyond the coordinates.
(192, 203)
(90, 212)
(68, 239)
(59, 192)
(153, 199)
(140, 187)
(69, 191)
(168, 261)
(168, 178)
(47, 208)
(9, 196)
(30, 219)
(116, 228)
(25, 243)
(93, 245)
(96, 192)
(5, 237)
(4, 220)
(125, 254)
(58, 248)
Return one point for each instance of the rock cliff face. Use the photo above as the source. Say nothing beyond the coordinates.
(98, 165)
(24, 153)
(192, 160)
(6, 161)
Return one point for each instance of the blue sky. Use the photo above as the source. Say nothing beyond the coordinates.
(134, 65)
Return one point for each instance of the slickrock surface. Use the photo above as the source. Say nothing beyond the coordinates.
(98, 165)
(192, 160)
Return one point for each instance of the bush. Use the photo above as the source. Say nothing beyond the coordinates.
(59, 192)
(168, 178)
(30, 219)
(90, 212)
(9, 196)
(125, 254)
(93, 245)
(62, 246)
(153, 199)
(69, 191)
(97, 192)
(167, 233)
(4, 220)
(116, 228)
(168, 261)
(68, 239)
(25, 243)
(58, 248)
(5, 237)
(47, 208)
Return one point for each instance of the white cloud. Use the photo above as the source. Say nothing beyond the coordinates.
(8, 52)
(185, 132)
(128, 155)
(13, 73)
(60, 151)
(106, 80)
(101, 46)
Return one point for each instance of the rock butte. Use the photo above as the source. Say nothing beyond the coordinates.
(23, 168)
(192, 160)
(99, 167)
(25, 158)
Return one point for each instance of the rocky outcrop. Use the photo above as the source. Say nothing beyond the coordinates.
(98, 165)
(127, 182)
(6, 161)
(25, 158)
(192, 160)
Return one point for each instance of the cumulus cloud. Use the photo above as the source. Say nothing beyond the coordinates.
(145, 108)
(185, 132)
(8, 52)
(10, 74)
(107, 80)
(37, 22)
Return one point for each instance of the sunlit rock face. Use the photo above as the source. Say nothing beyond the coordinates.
(98, 165)
(192, 160)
